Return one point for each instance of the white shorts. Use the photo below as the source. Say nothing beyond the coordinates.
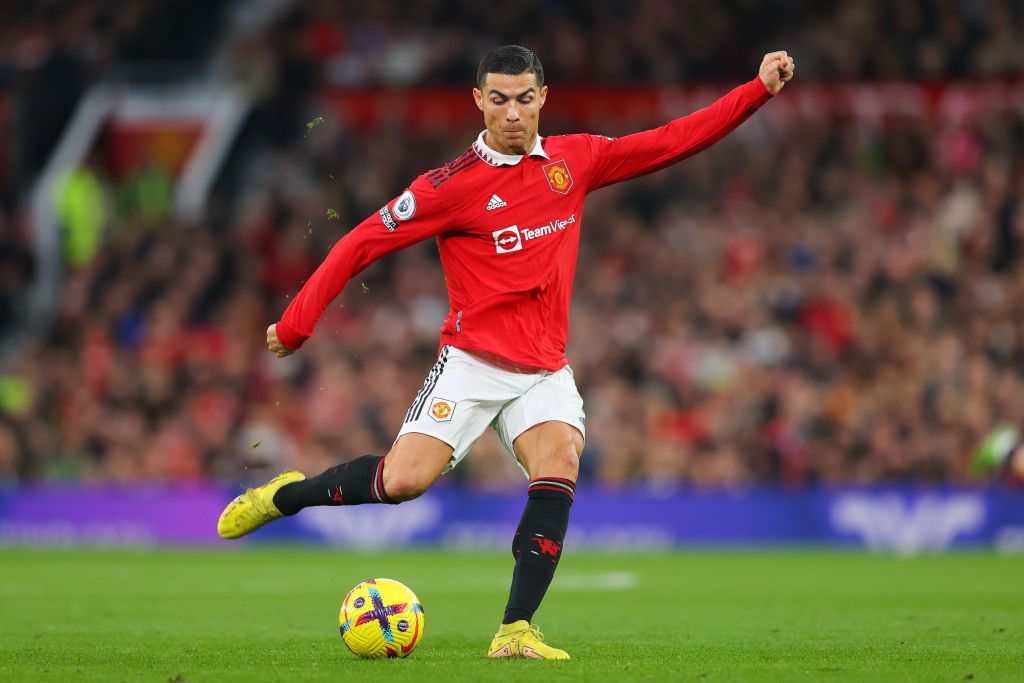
(463, 395)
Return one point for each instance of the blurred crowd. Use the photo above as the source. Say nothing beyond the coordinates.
(659, 41)
(831, 306)
(816, 300)
(52, 50)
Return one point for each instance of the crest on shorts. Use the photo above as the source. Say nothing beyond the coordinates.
(559, 178)
(441, 409)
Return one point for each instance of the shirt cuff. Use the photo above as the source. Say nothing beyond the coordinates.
(289, 336)
(757, 91)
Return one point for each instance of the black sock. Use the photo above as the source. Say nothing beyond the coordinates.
(538, 545)
(355, 482)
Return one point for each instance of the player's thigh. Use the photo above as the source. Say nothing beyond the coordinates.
(550, 449)
(544, 428)
(414, 462)
(459, 399)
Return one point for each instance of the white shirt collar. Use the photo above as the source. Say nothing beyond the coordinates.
(498, 159)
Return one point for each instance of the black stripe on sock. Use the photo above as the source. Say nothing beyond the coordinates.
(557, 480)
(553, 486)
(378, 485)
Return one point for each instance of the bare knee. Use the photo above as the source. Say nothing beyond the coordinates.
(402, 483)
(563, 460)
(412, 465)
(402, 489)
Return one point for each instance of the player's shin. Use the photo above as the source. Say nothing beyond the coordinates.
(537, 545)
(355, 482)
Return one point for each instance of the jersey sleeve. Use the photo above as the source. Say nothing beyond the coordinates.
(418, 213)
(616, 159)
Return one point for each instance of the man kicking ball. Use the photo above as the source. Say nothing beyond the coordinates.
(507, 216)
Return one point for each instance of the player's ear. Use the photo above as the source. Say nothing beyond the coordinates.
(479, 97)
(543, 94)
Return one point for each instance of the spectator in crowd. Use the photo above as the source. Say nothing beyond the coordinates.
(82, 202)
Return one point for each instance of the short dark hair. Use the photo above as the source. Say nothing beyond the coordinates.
(512, 60)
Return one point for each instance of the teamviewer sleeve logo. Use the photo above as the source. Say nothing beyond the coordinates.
(507, 239)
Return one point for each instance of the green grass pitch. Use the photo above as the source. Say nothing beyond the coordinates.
(271, 615)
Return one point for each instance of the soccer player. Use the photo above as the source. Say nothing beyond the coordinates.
(507, 216)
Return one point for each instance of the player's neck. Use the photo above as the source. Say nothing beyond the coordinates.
(491, 142)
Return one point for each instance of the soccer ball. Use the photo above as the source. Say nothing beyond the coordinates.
(381, 618)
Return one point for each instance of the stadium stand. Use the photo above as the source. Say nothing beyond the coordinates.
(827, 300)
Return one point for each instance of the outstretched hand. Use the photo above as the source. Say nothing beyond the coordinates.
(776, 70)
(275, 345)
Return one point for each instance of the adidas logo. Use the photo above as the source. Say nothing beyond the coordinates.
(495, 203)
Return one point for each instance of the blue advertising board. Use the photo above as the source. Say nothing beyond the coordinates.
(892, 519)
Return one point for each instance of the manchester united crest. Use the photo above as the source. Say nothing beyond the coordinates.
(441, 409)
(559, 178)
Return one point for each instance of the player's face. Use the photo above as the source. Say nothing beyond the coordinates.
(511, 107)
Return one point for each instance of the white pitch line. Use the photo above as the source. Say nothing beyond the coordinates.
(569, 582)
(613, 581)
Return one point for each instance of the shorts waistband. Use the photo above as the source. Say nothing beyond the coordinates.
(502, 362)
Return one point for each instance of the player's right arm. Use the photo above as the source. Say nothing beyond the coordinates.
(417, 214)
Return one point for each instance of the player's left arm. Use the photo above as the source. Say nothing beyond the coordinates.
(616, 159)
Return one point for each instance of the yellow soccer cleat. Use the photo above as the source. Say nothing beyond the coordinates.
(254, 508)
(523, 639)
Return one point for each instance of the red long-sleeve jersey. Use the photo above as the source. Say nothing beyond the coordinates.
(508, 230)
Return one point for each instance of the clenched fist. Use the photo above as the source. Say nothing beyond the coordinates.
(275, 345)
(776, 70)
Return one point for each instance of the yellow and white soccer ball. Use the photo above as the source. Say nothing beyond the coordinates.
(381, 618)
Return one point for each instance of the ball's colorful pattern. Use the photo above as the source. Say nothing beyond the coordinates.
(381, 618)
